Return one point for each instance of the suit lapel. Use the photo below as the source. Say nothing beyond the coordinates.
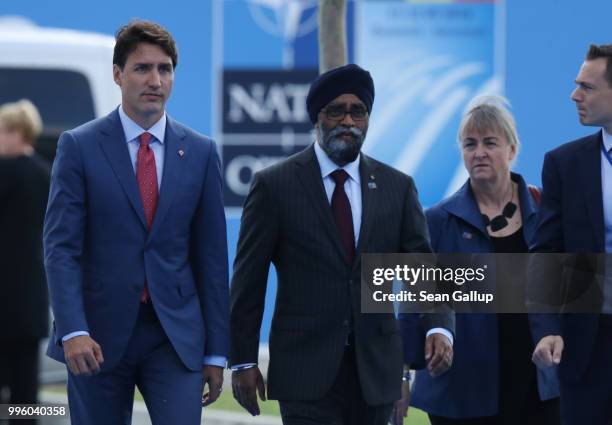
(309, 174)
(369, 195)
(173, 166)
(114, 146)
(590, 175)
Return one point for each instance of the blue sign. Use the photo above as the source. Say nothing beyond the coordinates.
(428, 60)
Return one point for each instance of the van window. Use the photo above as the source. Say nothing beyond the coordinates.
(63, 98)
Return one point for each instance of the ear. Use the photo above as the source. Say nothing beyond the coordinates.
(512, 151)
(117, 74)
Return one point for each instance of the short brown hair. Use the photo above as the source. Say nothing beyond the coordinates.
(22, 116)
(603, 51)
(129, 36)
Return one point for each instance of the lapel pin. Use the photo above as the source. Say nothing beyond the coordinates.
(181, 152)
(467, 235)
(372, 184)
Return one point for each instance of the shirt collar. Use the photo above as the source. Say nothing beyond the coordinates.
(328, 166)
(607, 139)
(133, 130)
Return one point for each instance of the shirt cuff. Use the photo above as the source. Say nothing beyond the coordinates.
(442, 331)
(243, 366)
(73, 334)
(220, 361)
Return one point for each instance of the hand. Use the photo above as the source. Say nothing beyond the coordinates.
(245, 383)
(400, 407)
(213, 376)
(83, 355)
(548, 351)
(438, 353)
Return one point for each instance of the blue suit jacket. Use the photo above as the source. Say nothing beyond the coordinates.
(98, 251)
(571, 220)
(470, 387)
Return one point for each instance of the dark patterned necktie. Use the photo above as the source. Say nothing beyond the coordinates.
(343, 217)
(146, 175)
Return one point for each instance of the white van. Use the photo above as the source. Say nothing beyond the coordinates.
(67, 74)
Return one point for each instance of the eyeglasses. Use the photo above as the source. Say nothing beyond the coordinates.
(338, 112)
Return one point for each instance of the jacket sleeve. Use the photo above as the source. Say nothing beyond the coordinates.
(256, 246)
(548, 238)
(415, 238)
(63, 236)
(209, 256)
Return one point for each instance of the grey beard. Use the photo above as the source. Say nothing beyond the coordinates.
(340, 151)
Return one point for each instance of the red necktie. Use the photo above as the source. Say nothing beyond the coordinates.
(146, 175)
(343, 217)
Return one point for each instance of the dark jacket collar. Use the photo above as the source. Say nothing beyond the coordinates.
(463, 205)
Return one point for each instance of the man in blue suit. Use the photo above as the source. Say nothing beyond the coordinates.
(576, 217)
(136, 252)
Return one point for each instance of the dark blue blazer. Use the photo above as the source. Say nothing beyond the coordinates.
(98, 251)
(571, 220)
(470, 387)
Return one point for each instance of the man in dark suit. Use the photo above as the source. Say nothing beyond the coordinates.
(576, 217)
(312, 216)
(136, 251)
(24, 307)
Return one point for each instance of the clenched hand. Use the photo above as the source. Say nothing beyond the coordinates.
(83, 355)
(438, 353)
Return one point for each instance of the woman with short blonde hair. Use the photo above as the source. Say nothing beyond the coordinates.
(20, 126)
(24, 308)
(492, 380)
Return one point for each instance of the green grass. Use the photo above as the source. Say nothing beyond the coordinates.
(226, 402)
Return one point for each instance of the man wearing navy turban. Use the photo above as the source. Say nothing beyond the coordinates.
(312, 216)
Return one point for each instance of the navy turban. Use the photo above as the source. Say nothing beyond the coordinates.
(348, 79)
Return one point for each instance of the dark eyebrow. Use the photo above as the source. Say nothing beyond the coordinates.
(150, 65)
(347, 105)
(583, 84)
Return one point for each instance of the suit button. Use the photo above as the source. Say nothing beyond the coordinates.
(137, 289)
(346, 323)
(351, 282)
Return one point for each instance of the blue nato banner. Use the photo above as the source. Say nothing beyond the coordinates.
(427, 61)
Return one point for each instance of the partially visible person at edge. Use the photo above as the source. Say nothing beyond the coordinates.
(24, 307)
(576, 217)
(493, 380)
(136, 250)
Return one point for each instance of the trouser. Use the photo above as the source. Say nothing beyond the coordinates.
(171, 391)
(342, 405)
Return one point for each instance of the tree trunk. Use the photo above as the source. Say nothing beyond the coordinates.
(332, 34)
